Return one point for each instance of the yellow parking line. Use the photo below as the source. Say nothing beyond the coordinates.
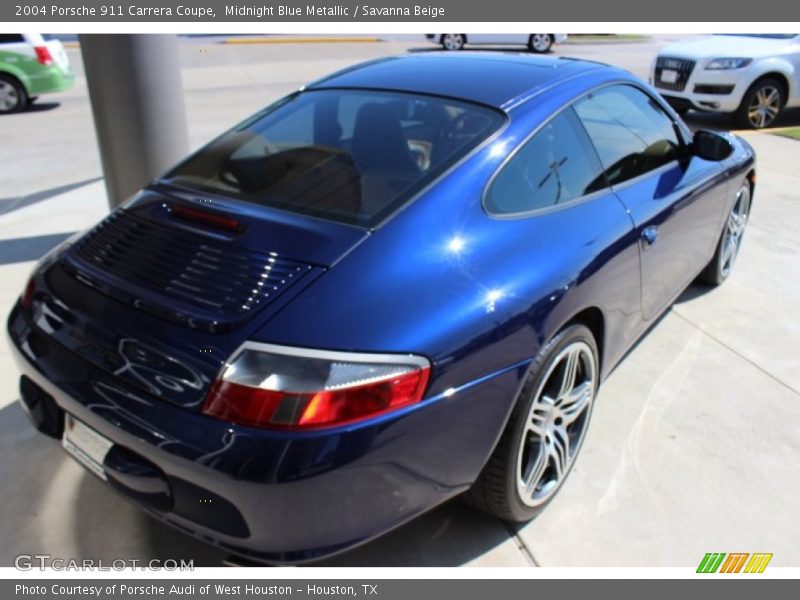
(300, 40)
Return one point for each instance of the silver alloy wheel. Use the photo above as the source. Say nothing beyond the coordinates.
(734, 230)
(453, 41)
(556, 424)
(541, 42)
(9, 98)
(764, 106)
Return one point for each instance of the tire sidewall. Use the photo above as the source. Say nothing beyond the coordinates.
(720, 276)
(21, 94)
(459, 47)
(517, 422)
(546, 50)
(742, 118)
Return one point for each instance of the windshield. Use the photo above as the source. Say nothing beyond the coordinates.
(347, 155)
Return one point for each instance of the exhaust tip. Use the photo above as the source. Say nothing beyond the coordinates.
(41, 408)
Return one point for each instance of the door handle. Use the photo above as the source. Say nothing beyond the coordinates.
(650, 235)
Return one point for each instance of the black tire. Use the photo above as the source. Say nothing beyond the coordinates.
(11, 90)
(721, 265)
(453, 41)
(769, 87)
(541, 43)
(496, 491)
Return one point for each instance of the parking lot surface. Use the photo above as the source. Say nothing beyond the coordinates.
(695, 440)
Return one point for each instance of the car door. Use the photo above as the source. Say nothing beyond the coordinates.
(675, 199)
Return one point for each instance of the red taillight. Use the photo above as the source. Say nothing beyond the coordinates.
(27, 295)
(43, 55)
(205, 217)
(273, 390)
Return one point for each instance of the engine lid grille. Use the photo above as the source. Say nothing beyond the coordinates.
(179, 274)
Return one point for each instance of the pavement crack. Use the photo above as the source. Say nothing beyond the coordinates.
(736, 352)
(524, 550)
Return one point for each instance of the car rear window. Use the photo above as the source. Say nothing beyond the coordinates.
(351, 156)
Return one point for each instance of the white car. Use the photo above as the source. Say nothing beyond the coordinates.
(754, 77)
(536, 42)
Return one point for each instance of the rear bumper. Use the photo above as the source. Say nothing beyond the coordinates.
(273, 496)
(49, 80)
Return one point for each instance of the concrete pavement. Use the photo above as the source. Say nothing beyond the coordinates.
(695, 440)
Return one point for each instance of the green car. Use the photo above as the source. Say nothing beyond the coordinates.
(30, 65)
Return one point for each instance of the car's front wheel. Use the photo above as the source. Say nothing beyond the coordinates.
(545, 431)
(541, 43)
(761, 104)
(12, 95)
(730, 242)
(453, 41)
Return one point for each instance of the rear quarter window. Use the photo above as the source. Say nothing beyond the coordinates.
(554, 167)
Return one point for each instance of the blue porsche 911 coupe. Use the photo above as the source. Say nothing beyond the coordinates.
(400, 284)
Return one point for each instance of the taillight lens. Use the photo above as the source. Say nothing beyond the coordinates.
(27, 295)
(43, 55)
(287, 388)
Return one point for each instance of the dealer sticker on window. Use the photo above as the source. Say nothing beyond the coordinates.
(85, 445)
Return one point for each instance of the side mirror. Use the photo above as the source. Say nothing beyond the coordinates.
(711, 146)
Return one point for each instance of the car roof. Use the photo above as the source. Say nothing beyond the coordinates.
(499, 79)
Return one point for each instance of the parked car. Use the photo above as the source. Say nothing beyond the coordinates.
(31, 65)
(753, 77)
(540, 43)
(400, 284)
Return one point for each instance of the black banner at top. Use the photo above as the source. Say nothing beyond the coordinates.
(336, 11)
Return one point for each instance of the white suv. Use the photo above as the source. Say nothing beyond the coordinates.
(752, 76)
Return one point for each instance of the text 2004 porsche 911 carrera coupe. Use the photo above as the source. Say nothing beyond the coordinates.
(400, 284)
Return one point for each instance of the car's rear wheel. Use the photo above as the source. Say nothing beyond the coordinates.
(453, 41)
(545, 431)
(541, 43)
(12, 95)
(730, 242)
(761, 104)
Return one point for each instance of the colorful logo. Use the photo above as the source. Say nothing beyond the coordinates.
(720, 562)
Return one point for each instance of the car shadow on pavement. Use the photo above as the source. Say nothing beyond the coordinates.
(50, 504)
(722, 122)
(41, 107)
(33, 108)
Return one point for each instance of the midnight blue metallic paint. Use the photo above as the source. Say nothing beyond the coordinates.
(476, 294)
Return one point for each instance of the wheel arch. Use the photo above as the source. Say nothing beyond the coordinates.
(779, 76)
(18, 75)
(592, 318)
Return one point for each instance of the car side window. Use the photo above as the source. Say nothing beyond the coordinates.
(556, 165)
(631, 132)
